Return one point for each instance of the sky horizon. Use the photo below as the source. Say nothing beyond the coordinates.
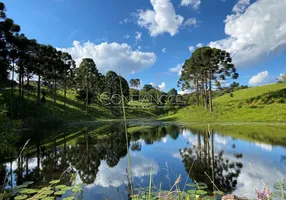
(151, 39)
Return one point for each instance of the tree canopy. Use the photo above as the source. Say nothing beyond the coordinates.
(205, 68)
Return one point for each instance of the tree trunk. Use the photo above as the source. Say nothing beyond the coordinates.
(65, 92)
(197, 93)
(55, 91)
(27, 166)
(23, 85)
(86, 101)
(39, 90)
(206, 94)
(38, 158)
(12, 90)
(28, 88)
(213, 175)
(11, 173)
(210, 93)
(19, 92)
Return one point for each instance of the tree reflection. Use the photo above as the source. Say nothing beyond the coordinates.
(87, 149)
(201, 159)
(3, 173)
(86, 155)
(151, 135)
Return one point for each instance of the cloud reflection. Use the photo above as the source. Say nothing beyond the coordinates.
(116, 176)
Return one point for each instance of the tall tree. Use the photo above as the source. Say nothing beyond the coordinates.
(132, 83)
(11, 31)
(205, 67)
(68, 72)
(85, 77)
(137, 83)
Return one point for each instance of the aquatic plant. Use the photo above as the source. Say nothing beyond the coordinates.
(264, 194)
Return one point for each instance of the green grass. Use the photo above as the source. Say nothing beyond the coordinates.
(73, 111)
(257, 104)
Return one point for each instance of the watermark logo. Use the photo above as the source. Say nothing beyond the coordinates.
(141, 100)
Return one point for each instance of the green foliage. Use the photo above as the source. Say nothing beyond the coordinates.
(8, 132)
(134, 83)
(205, 67)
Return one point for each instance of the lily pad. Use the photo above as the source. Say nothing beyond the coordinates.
(69, 198)
(37, 196)
(19, 197)
(76, 189)
(48, 198)
(60, 186)
(201, 192)
(54, 181)
(60, 193)
(67, 188)
(28, 191)
(28, 183)
(191, 191)
(202, 186)
(21, 186)
(47, 192)
(191, 185)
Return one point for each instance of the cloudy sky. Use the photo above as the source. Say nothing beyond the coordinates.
(151, 39)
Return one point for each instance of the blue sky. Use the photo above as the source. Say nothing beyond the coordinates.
(150, 39)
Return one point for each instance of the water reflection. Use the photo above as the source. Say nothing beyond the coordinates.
(203, 165)
(238, 162)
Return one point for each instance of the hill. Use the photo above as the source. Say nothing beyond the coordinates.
(72, 111)
(256, 104)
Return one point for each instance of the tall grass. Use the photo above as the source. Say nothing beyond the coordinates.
(126, 136)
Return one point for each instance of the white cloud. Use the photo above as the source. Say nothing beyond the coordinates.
(191, 22)
(182, 92)
(162, 19)
(254, 31)
(241, 6)
(164, 50)
(261, 78)
(138, 36)
(191, 48)
(194, 3)
(177, 69)
(125, 21)
(108, 56)
(126, 36)
(199, 45)
(162, 86)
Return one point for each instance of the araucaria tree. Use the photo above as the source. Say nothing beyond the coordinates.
(86, 76)
(203, 70)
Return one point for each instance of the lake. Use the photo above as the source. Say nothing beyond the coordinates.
(244, 157)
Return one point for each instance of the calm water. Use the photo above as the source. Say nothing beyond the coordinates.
(244, 157)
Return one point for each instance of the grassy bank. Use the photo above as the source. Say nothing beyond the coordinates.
(73, 110)
(257, 104)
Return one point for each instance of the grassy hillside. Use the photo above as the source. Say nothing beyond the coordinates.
(257, 104)
(74, 110)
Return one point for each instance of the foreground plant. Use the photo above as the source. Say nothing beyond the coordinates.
(265, 194)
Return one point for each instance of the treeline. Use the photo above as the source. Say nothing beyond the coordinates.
(25, 59)
(206, 70)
